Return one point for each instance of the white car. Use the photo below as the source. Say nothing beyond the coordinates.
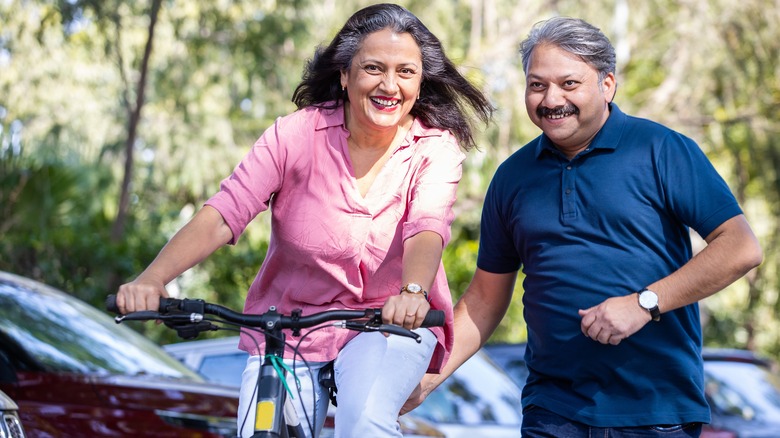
(478, 400)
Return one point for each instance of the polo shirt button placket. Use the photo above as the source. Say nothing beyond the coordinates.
(568, 204)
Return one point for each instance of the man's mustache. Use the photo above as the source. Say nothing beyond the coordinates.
(557, 111)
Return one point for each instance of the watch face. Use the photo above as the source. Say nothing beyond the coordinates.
(648, 299)
(413, 287)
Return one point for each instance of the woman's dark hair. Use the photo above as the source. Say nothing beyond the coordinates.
(444, 92)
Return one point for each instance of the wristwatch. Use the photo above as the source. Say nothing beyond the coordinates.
(648, 300)
(414, 288)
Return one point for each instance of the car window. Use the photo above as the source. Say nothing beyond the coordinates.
(742, 389)
(224, 368)
(477, 393)
(510, 358)
(64, 334)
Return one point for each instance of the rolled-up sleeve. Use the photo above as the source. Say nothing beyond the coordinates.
(247, 191)
(435, 189)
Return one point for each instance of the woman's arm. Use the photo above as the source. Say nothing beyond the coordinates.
(421, 261)
(204, 234)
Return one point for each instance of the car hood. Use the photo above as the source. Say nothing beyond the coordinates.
(142, 392)
(171, 395)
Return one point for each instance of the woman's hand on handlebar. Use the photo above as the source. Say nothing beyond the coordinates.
(406, 310)
(140, 294)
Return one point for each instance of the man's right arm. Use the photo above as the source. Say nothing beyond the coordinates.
(477, 314)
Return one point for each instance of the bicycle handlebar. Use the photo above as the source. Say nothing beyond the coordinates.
(188, 314)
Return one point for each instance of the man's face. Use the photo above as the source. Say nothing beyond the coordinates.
(564, 97)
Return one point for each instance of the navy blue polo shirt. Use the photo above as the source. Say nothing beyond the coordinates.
(607, 223)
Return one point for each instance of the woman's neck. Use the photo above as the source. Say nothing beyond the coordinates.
(373, 139)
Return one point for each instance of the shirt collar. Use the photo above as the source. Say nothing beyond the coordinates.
(330, 117)
(333, 117)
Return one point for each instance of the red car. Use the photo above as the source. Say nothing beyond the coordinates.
(74, 372)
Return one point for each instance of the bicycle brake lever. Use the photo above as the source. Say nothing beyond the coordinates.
(383, 328)
(353, 325)
(400, 331)
(148, 315)
(145, 315)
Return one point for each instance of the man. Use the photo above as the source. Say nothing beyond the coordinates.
(596, 211)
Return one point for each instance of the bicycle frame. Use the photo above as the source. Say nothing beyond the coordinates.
(270, 421)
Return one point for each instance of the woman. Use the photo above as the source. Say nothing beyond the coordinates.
(360, 182)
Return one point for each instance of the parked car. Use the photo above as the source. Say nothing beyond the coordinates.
(10, 425)
(478, 400)
(743, 389)
(74, 372)
(510, 357)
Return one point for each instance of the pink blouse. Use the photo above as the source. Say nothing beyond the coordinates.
(330, 247)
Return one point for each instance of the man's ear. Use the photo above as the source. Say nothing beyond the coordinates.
(609, 87)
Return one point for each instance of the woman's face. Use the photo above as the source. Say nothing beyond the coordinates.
(383, 81)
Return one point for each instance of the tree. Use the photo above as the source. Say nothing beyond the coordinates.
(159, 100)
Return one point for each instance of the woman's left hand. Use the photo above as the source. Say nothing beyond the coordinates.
(407, 310)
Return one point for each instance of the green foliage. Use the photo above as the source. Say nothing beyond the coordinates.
(56, 229)
(222, 71)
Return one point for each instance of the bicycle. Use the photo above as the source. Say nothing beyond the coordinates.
(275, 417)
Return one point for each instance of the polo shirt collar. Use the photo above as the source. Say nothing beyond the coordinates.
(608, 136)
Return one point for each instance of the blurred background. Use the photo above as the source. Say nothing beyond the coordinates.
(118, 119)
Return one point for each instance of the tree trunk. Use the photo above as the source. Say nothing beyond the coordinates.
(118, 229)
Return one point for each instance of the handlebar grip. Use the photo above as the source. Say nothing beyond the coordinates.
(164, 304)
(111, 304)
(434, 318)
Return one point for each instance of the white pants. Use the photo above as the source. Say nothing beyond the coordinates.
(374, 374)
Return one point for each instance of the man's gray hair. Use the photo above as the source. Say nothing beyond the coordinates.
(575, 36)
